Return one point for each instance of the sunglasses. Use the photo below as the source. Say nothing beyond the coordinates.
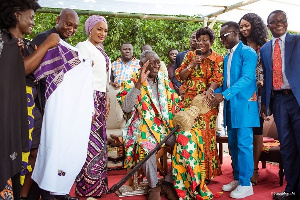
(223, 37)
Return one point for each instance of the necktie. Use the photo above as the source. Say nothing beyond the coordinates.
(277, 66)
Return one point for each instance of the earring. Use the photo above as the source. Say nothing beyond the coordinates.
(90, 35)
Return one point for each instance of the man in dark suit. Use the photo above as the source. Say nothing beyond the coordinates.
(281, 96)
(179, 58)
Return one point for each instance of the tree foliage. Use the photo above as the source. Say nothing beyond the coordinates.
(162, 35)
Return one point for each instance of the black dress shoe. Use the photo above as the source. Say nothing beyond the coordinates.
(65, 197)
(285, 196)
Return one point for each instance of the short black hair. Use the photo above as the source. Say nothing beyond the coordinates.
(259, 32)
(273, 12)
(9, 7)
(125, 43)
(233, 25)
(171, 50)
(206, 31)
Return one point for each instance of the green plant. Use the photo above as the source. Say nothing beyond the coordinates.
(162, 35)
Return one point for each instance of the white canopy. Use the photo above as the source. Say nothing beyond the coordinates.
(224, 10)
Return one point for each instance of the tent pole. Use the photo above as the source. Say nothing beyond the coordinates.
(211, 25)
(232, 7)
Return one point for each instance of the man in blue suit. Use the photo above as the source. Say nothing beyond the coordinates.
(239, 93)
(281, 96)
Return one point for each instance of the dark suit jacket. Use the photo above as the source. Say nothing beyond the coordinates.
(179, 58)
(292, 67)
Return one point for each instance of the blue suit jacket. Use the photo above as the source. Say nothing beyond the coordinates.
(292, 67)
(244, 110)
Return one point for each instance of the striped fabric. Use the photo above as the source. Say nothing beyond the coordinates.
(54, 65)
(92, 180)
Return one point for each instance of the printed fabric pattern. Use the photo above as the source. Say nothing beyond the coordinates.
(26, 167)
(199, 80)
(189, 166)
(151, 120)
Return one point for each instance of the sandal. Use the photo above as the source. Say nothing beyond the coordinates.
(254, 177)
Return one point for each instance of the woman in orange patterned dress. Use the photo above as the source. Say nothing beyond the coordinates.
(202, 74)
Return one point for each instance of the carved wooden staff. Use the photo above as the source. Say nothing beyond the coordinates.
(183, 120)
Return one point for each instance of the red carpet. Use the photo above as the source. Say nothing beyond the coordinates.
(268, 182)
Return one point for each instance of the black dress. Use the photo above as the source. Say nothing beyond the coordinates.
(13, 109)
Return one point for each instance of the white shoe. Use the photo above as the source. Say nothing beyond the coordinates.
(241, 192)
(230, 186)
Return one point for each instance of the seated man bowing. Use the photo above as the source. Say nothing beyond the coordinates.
(150, 97)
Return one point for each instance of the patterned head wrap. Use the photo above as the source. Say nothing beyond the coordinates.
(92, 21)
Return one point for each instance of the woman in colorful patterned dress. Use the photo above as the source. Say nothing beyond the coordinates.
(202, 74)
(92, 180)
(253, 32)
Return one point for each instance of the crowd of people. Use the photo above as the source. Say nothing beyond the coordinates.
(51, 119)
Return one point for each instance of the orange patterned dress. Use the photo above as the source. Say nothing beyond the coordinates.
(199, 80)
(7, 192)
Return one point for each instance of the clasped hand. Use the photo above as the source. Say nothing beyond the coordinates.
(213, 99)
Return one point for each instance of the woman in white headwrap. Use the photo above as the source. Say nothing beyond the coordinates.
(92, 180)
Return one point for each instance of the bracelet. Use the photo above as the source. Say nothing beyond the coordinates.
(189, 68)
(211, 90)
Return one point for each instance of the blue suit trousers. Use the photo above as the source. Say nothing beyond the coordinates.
(286, 112)
(240, 142)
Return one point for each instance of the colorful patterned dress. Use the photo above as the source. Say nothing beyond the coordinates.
(199, 80)
(27, 49)
(7, 192)
(150, 122)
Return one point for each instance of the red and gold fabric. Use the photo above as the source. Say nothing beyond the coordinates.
(199, 80)
(151, 120)
(189, 166)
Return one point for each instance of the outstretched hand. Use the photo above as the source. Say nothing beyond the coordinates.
(143, 75)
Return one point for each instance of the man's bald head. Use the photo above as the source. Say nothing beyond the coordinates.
(67, 23)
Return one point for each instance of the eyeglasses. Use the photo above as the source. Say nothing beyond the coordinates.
(275, 22)
(223, 37)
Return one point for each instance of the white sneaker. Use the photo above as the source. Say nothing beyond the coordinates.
(242, 192)
(230, 186)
